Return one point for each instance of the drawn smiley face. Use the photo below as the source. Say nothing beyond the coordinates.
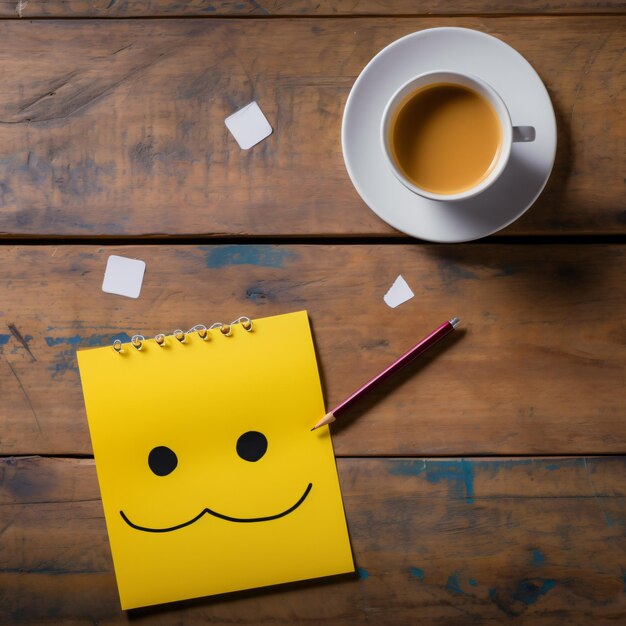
(251, 446)
(211, 479)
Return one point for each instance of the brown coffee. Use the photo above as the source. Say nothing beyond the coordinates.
(445, 138)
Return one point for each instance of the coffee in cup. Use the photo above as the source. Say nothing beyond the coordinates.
(447, 136)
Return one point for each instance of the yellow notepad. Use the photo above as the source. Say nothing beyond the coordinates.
(210, 476)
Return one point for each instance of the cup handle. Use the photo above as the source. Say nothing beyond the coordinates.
(523, 134)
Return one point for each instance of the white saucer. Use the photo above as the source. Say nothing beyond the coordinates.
(460, 50)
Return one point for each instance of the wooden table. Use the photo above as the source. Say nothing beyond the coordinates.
(485, 485)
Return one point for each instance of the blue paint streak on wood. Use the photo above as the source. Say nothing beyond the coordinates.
(529, 591)
(460, 474)
(538, 557)
(87, 342)
(417, 572)
(468, 480)
(472, 581)
(65, 360)
(4, 339)
(55, 341)
(407, 467)
(241, 254)
(453, 584)
(362, 572)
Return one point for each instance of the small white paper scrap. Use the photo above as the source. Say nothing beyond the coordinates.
(398, 293)
(248, 126)
(123, 276)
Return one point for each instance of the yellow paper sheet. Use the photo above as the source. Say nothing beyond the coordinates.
(217, 521)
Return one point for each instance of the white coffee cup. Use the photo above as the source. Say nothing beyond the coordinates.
(509, 134)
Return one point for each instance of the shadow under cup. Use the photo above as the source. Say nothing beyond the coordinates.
(454, 126)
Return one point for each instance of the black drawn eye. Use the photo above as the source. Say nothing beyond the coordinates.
(162, 460)
(251, 446)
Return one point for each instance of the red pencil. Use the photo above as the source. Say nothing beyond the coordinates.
(407, 357)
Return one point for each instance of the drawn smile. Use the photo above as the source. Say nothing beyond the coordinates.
(228, 518)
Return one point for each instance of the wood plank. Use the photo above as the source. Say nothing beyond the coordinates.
(330, 8)
(467, 541)
(538, 368)
(116, 128)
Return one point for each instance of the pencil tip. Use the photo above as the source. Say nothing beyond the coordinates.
(312, 429)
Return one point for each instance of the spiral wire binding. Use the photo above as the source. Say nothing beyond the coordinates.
(203, 332)
(137, 341)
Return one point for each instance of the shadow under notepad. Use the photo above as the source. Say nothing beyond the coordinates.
(206, 601)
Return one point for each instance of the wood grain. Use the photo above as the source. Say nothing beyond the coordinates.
(533, 541)
(114, 128)
(538, 368)
(209, 8)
